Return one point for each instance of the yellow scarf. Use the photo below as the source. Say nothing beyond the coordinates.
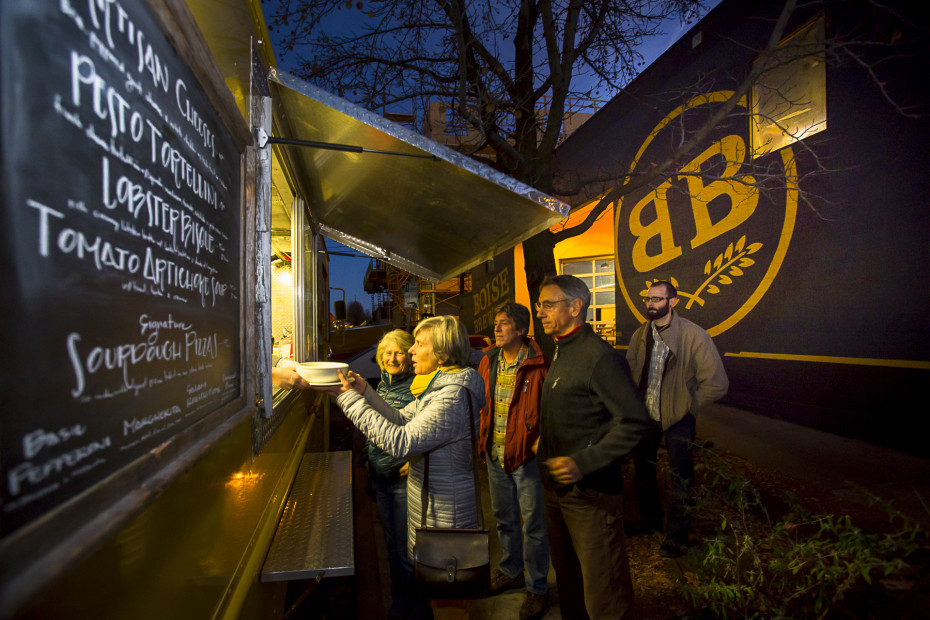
(421, 382)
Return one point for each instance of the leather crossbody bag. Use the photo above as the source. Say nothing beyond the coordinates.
(452, 563)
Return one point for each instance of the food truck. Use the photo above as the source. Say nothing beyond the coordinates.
(167, 193)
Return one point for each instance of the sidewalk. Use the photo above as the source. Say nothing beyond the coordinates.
(504, 606)
(849, 468)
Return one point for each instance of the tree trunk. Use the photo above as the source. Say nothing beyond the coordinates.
(537, 253)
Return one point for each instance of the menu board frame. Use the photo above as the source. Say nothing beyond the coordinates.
(46, 546)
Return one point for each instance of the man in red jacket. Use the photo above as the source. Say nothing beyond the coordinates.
(513, 372)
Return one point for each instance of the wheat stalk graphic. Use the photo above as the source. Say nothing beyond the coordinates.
(728, 265)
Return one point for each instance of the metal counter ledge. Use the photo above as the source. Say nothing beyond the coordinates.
(315, 536)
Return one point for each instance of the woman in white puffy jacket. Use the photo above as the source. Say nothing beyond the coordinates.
(437, 421)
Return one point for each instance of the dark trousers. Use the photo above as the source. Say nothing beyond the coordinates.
(679, 441)
(588, 549)
(391, 497)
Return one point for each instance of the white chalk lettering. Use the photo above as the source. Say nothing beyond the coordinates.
(186, 175)
(163, 272)
(38, 439)
(118, 357)
(153, 325)
(185, 229)
(191, 116)
(29, 473)
(200, 346)
(44, 213)
(136, 424)
(110, 17)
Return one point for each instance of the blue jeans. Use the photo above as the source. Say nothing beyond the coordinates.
(514, 495)
(679, 441)
(391, 498)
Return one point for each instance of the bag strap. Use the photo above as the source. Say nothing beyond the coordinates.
(424, 492)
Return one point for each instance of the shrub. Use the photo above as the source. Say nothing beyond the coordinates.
(797, 566)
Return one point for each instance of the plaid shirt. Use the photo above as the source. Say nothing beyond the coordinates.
(503, 392)
(657, 361)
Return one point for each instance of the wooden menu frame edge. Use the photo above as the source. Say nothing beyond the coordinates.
(45, 549)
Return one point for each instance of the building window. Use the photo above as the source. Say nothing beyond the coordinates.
(598, 275)
(789, 100)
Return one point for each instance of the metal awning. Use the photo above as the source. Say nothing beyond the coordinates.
(434, 212)
(435, 217)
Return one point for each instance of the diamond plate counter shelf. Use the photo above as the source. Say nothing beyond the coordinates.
(315, 536)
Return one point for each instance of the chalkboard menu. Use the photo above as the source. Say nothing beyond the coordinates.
(121, 255)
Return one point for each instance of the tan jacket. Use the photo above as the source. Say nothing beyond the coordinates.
(694, 376)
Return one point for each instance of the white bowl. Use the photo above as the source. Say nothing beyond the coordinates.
(322, 373)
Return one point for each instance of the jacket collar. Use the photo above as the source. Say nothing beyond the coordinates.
(403, 379)
(576, 335)
(534, 356)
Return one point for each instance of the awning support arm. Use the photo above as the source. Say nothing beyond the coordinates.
(333, 146)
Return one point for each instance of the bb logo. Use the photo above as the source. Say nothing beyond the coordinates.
(711, 230)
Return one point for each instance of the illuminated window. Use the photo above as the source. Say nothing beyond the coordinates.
(789, 100)
(598, 275)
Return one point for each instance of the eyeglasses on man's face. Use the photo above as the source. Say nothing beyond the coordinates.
(654, 300)
(549, 305)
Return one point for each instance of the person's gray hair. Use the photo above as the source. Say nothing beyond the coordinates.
(572, 288)
(449, 338)
(518, 313)
(398, 337)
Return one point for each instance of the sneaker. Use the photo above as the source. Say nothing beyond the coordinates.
(640, 527)
(501, 582)
(673, 547)
(534, 605)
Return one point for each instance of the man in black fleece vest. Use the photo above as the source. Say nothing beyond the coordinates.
(592, 416)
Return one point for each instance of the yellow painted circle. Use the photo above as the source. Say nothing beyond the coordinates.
(791, 208)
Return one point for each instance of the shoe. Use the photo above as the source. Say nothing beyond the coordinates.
(534, 605)
(420, 610)
(673, 547)
(640, 527)
(501, 582)
(397, 612)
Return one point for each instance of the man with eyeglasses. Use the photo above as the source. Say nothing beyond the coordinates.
(591, 418)
(677, 368)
